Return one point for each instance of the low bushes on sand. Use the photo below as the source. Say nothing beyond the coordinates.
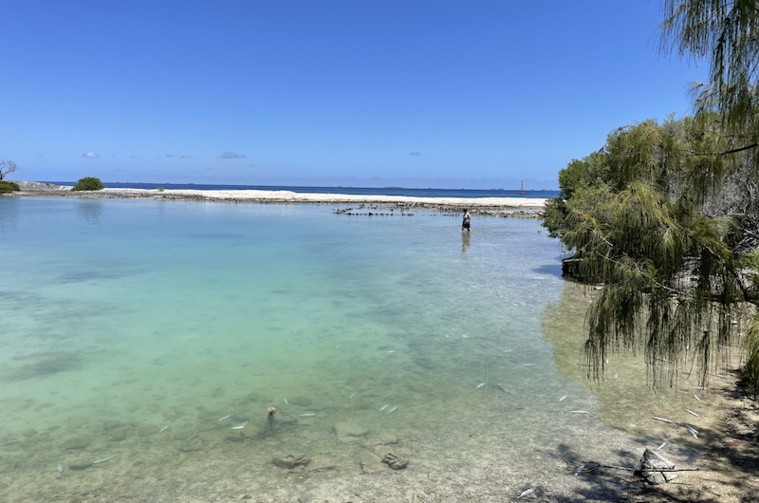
(6, 187)
(88, 183)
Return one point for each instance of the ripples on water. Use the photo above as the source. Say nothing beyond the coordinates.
(128, 327)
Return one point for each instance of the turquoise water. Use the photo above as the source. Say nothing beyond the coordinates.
(130, 326)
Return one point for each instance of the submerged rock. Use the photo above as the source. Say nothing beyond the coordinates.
(395, 462)
(320, 464)
(80, 464)
(654, 461)
(349, 432)
(291, 461)
(75, 443)
(370, 462)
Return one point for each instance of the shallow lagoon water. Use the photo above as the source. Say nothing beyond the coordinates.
(129, 326)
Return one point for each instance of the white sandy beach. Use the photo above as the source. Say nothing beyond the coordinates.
(284, 196)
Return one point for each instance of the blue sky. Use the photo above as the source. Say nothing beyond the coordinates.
(472, 94)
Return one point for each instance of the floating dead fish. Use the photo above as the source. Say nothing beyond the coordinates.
(225, 417)
(508, 350)
(481, 385)
(104, 460)
(391, 410)
(465, 336)
(391, 351)
(528, 364)
(563, 398)
(579, 412)
(663, 419)
(696, 397)
(691, 412)
(239, 426)
(60, 468)
(163, 429)
(527, 492)
(308, 414)
(285, 400)
(384, 407)
(661, 445)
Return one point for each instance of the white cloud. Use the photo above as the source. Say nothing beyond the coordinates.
(90, 155)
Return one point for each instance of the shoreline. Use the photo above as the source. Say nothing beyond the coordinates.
(487, 206)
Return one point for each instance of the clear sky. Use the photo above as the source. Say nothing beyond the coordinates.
(413, 93)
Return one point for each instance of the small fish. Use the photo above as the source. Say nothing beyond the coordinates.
(464, 336)
(391, 410)
(481, 385)
(508, 350)
(527, 492)
(691, 428)
(661, 445)
(697, 398)
(60, 468)
(239, 426)
(527, 364)
(693, 433)
(384, 407)
(190, 437)
(285, 400)
(563, 398)
(616, 376)
(719, 375)
(104, 460)
(579, 412)
(663, 419)
(447, 336)
(348, 388)
(391, 351)
(163, 429)
(699, 387)
(352, 395)
(691, 412)
(579, 469)
(225, 417)
(308, 414)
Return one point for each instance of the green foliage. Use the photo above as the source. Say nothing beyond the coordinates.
(6, 187)
(160, 189)
(648, 216)
(723, 33)
(88, 183)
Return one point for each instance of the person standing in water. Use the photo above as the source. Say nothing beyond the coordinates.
(467, 221)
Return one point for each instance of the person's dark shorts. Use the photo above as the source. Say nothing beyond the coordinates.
(465, 226)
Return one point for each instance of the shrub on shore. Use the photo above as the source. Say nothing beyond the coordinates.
(89, 183)
(6, 187)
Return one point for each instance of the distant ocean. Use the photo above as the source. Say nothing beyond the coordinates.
(360, 191)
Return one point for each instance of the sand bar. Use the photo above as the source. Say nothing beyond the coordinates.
(485, 205)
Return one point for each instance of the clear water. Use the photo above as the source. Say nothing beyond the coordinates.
(128, 326)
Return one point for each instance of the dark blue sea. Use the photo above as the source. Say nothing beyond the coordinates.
(360, 191)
